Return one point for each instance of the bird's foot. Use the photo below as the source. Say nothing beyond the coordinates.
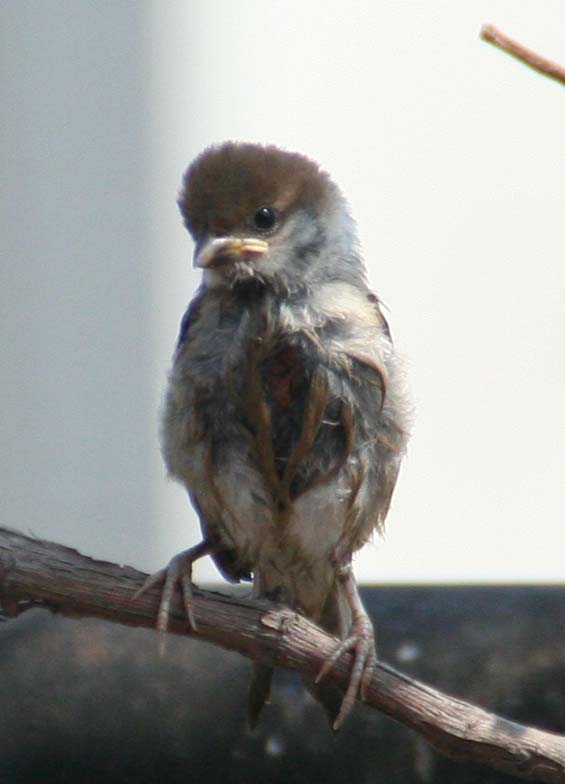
(177, 573)
(361, 641)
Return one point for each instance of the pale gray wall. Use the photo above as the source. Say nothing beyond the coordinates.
(77, 433)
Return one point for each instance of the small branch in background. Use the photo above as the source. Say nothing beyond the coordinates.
(541, 64)
(38, 573)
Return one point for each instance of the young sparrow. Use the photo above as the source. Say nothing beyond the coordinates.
(286, 416)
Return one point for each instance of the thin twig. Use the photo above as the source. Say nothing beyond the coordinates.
(541, 64)
(38, 573)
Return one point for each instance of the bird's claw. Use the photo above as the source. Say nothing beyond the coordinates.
(361, 641)
(177, 573)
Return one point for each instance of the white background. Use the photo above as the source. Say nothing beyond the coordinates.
(453, 159)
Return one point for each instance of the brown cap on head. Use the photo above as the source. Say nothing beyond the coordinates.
(226, 184)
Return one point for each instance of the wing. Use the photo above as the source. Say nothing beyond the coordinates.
(335, 409)
(225, 558)
(384, 433)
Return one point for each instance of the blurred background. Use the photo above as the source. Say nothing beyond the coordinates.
(452, 156)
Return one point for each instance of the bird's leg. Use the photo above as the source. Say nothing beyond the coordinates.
(178, 572)
(360, 640)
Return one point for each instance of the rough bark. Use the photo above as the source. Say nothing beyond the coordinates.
(39, 573)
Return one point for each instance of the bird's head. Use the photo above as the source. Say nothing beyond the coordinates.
(261, 213)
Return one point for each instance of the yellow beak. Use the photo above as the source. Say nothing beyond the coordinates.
(224, 250)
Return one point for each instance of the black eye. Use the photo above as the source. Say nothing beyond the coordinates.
(265, 218)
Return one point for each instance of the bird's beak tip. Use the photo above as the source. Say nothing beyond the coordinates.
(222, 250)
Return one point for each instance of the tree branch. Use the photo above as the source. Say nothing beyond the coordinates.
(541, 64)
(39, 573)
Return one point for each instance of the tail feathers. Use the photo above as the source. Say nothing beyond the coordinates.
(328, 695)
(335, 618)
(259, 692)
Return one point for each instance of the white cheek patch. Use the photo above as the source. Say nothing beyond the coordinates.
(299, 231)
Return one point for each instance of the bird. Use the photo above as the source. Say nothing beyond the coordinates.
(286, 415)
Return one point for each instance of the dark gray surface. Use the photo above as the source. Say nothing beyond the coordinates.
(85, 701)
